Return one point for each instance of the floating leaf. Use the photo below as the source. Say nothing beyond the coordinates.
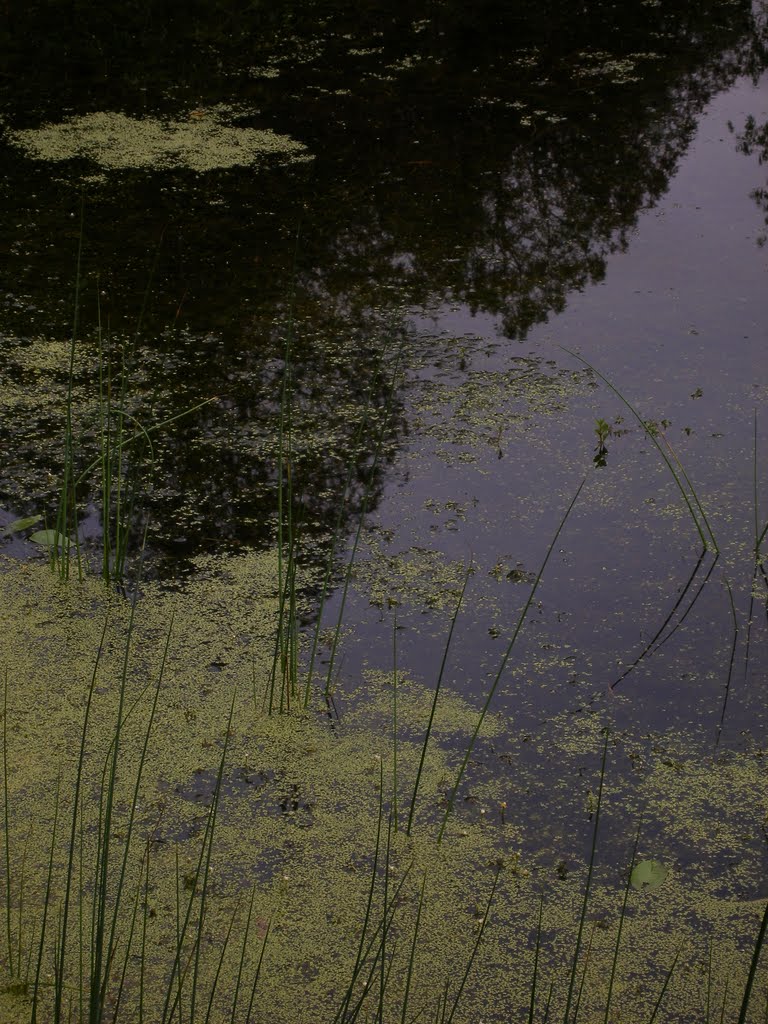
(648, 874)
(19, 524)
(50, 539)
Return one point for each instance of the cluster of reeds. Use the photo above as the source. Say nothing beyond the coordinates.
(81, 952)
(121, 447)
(85, 953)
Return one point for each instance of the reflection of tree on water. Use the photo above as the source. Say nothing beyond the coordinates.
(754, 139)
(490, 154)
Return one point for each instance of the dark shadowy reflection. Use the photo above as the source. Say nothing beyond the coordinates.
(754, 139)
(490, 154)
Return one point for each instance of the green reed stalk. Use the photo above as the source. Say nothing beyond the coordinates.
(66, 513)
(224, 947)
(104, 936)
(725, 1001)
(587, 888)
(667, 980)
(412, 957)
(753, 967)
(117, 497)
(129, 827)
(202, 870)
(433, 709)
(660, 637)
(394, 716)
(7, 831)
(121, 539)
(376, 946)
(584, 973)
(179, 946)
(145, 917)
(476, 946)
(361, 520)
(257, 973)
(105, 445)
(46, 906)
(532, 1007)
(207, 869)
(371, 951)
(381, 953)
(285, 642)
(81, 913)
(128, 948)
(243, 951)
(143, 433)
(360, 957)
(548, 1003)
(331, 559)
(23, 978)
(61, 960)
(622, 916)
(503, 665)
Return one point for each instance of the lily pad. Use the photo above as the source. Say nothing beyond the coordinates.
(649, 874)
(50, 539)
(19, 524)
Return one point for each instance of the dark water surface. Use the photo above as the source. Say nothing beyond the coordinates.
(489, 185)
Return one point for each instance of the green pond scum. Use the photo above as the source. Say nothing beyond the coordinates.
(203, 141)
(299, 807)
(315, 315)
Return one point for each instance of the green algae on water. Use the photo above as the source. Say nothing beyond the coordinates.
(204, 141)
(300, 799)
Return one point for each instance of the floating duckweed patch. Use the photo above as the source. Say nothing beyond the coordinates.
(419, 577)
(297, 820)
(454, 717)
(473, 410)
(619, 71)
(716, 813)
(206, 140)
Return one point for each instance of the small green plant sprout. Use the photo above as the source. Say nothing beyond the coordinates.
(603, 430)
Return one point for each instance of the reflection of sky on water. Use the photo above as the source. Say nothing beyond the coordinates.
(678, 324)
(687, 302)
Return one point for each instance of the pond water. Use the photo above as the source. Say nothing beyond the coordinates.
(502, 257)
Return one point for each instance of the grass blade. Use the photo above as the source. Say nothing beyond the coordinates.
(7, 830)
(667, 980)
(753, 967)
(475, 948)
(708, 538)
(504, 660)
(433, 709)
(412, 958)
(622, 916)
(535, 975)
(588, 886)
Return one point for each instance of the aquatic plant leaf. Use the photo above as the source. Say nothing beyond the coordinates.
(649, 874)
(50, 538)
(19, 524)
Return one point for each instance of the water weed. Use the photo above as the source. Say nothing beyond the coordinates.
(284, 834)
